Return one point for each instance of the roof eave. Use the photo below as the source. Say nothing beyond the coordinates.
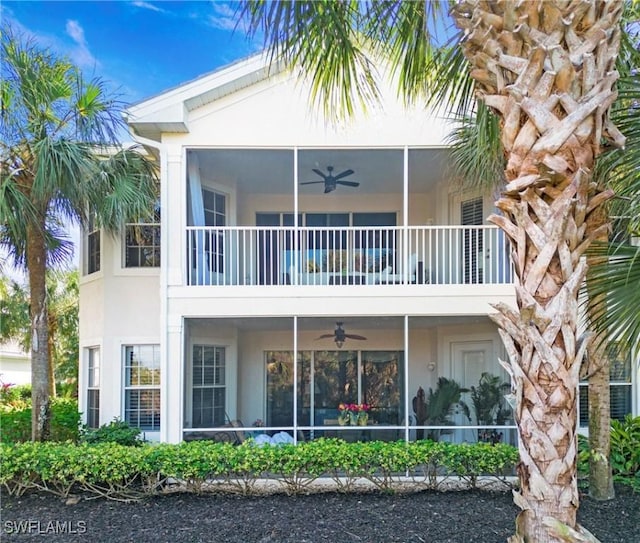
(168, 111)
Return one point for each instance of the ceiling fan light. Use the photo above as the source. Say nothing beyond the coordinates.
(339, 343)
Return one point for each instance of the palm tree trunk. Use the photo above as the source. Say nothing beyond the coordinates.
(600, 474)
(547, 68)
(40, 399)
(599, 394)
(50, 350)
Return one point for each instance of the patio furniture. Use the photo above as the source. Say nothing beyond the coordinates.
(388, 278)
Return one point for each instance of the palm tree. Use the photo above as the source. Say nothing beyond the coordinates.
(547, 68)
(59, 162)
(477, 158)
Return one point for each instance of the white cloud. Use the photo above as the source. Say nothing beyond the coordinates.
(148, 5)
(80, 54)
(224, 16)
(76, 32)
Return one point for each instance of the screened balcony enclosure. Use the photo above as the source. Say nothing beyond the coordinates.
(250, 377)
(336, 217)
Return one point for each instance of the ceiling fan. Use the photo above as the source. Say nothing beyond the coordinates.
(332, 181)
(339, 335)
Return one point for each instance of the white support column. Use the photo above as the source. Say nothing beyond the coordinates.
(172, 378)
(406, 377)
(295, 379)
(405, 213)
(296, 248)
(172, 269)
(176, 222)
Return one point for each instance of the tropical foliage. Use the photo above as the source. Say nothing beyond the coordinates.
(59, 162)
(62, 296)
(15, 419)
(617, 278)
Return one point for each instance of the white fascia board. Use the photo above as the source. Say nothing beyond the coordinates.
(172, 118)
(165, 107)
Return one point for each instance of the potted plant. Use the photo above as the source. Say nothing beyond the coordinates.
(353, 414)
(490, 406)
(436, 408)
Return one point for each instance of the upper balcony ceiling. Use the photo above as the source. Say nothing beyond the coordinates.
(269, 171)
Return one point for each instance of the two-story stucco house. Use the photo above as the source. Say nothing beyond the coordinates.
(297, 264)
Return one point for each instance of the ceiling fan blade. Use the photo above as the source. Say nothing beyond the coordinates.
(343, 174)
(348, 183)
(319, 173)
(324, 336)
(354, 336)
(311, 182)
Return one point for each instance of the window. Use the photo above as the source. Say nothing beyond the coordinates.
(328, 378)
(93, 388)
(214, 208)
(142, 386)
(208, 386)
(214, 242)
(92, 246)
(473, 245)
(142, 243)
(619, 386)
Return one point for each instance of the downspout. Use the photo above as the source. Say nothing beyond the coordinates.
(164, 281)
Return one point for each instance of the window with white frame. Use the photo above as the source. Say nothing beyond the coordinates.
(214, 208)
(620, 386)
(142, 243)
(208, 392)
(92, 247)
(142, 386)
(93, 387)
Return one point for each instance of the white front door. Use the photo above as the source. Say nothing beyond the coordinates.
(469, 360)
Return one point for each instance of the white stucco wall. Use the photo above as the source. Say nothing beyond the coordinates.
(121, 307)
(15, 364)
(277, 112)
(118, 307)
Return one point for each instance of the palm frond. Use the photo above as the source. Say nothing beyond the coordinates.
(477, 156)
(122, 188)
(400, 32)
(619, 168)
(322, 38)
(450, 86)
(617, 282)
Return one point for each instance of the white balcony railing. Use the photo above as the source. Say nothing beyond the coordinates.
(444, 255)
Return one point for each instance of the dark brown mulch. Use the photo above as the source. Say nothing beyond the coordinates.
(433, 517)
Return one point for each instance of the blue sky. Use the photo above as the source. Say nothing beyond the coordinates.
(140, 47)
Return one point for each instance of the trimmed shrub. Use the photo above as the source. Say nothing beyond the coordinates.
(117, 431)
(125, 473)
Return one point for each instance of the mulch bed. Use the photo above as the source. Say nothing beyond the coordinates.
(427, 516)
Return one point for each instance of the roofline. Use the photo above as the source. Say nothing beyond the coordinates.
(192, 88)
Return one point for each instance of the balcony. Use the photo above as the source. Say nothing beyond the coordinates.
(347, 256)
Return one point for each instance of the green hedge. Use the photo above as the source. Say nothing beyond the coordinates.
(125, 473)
(15, 422)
